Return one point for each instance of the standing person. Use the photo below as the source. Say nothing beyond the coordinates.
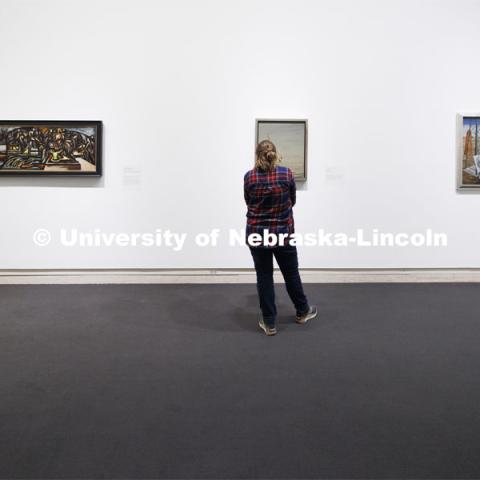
(270, 194)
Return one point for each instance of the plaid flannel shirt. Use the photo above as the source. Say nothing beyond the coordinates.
(270, 197)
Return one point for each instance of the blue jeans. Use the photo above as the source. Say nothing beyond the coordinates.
(287, 260)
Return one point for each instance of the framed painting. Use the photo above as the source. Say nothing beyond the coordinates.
(468, 151)
(290, 138)
(42, 148)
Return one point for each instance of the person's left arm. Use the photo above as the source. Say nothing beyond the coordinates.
(292, 188)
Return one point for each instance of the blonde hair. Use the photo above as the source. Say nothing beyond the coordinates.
(266, 156)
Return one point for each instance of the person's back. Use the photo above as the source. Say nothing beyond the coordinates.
(270, 194)
(270, 197)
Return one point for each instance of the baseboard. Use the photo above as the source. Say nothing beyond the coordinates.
(113, 276)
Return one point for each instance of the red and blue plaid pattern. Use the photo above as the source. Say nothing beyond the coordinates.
(270, 197)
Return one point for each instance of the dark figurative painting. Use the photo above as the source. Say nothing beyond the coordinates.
(468, 156)
(50, 148)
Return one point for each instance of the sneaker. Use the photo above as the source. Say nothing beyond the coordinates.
(269, 331)
(312, 313)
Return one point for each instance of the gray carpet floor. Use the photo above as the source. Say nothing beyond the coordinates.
(165, 381)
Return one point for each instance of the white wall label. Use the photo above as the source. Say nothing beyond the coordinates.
(334, 174)
(132, 176)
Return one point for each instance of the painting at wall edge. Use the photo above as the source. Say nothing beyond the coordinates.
(468, 151)
(50, 148)
(290, 136)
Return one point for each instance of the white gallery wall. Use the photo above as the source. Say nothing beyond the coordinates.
(178, 85)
